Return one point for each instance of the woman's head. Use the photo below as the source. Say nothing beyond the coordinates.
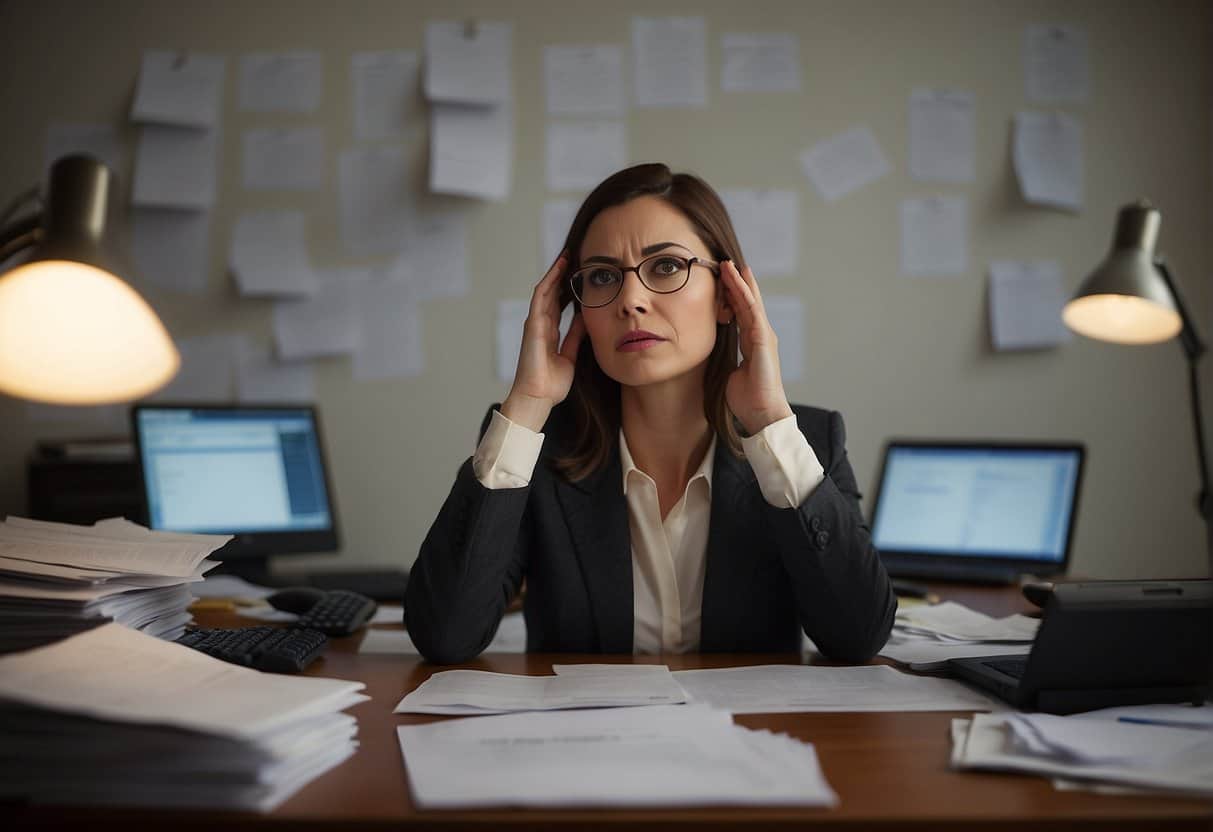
(643, 253)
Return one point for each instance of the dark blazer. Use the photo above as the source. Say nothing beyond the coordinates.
(769, 572)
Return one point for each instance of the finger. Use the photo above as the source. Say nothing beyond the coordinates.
(547, 290)
(573, 338)
(741, 298)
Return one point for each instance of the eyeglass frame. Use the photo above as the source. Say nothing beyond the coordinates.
(711, 265)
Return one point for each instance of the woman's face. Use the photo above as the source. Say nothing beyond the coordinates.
(682, 324)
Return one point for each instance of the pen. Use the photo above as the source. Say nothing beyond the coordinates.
(1168, 723)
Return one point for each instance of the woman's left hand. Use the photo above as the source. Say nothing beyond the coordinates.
(754, 391)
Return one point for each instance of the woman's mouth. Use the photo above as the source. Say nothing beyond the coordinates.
(638, 340)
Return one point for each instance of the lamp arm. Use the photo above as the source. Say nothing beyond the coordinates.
(20, 235)
(1192, 343)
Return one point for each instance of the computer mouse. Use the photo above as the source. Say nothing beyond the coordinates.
(296, 599)
(1038, 592)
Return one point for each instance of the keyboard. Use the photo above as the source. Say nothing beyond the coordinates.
(272, 649)
(1012, 665)
(338, 613)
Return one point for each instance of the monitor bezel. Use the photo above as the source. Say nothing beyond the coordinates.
(899, 561)
(252, 544)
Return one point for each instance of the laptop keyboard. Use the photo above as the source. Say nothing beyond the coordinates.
(1012, 665)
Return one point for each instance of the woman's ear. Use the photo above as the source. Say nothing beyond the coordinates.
(724, 312)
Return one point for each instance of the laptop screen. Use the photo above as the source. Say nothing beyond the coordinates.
(996, 501)
(233, 470)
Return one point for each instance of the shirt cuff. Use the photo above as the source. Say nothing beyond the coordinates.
(787, 469)
(507, 454)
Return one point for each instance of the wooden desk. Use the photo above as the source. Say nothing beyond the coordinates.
(889, 769)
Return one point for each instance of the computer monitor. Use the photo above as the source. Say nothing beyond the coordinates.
(255, 472)
(976, 510)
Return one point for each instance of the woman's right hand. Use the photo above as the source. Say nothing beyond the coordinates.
(545, 367)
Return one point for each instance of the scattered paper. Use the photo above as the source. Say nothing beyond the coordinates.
(768, 62)
(786, 314)
(768, 227)
(580, 154)
(510, 638)
(207, 362)
(1026, 299)
(175, 167)
(927, 655)
(386, 89)
(942, 136)
(392, 345)
(281, 82)
(230, 586)
(844, 163)
(97, 140)
(558, 216)
(670, 61)
(468, 62)
(934, 236)
(179, 88)
(435, 262)
(584, 80)
(953, 622)
(284, 159)
(375, 186)
(1048, 159)
(172, 248)
(261, 379)
(1055, 63)
(471, 150)
(325, 324)
(269, 254)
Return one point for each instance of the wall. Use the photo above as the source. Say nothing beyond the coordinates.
(898, 356)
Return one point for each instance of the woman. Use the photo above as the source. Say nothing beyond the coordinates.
(676, 501)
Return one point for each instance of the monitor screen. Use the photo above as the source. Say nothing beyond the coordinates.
(255, 472)
(978, 501)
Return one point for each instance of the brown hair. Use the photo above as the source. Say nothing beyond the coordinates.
(595, 395)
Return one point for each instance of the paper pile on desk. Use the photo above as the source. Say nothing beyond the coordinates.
(650, 756)
(113, 716)
(926, 637)
(1164, 748)
(57, 579)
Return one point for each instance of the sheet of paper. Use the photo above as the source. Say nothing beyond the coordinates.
(1108, 741)
(435, 259)
(929, 655)
(281, 82)
(767, 222)
(387, 614)
(1048, 157)
(556, 220)
(269, 255)
(207, 365)
(956, 622)
(179, 88)
(1026, 299)
(1055, 63)
(584, 80)
(172, 248)
(510, 638)
(230, 586)
(392, 343)
(770, 689)
(387, 92)
(375, 185)
(844, 163)
(760, 62)
(97, 140)
(657, 756)
(98, 547)
(580, 154)
(327, 323)
(175, 167)
(511, 317)
(942, 136)
(468, 62)
(260, 378)
(471, 150)
(670, 62)
(934, 236)
(284, 159)
(786, 314)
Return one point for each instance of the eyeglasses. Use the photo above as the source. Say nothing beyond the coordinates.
(601, 283)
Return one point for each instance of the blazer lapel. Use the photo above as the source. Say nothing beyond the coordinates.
(597, 517)
(726, 568)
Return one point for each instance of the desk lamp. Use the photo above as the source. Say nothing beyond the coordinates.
(71, 331)
(1131, 298)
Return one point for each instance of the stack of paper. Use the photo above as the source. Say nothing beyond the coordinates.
(58, 579)
(1167, 748)
(926, 637)
(657, 756)
(113, 716)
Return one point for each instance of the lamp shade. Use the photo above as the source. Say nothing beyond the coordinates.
(71, 331)
(1125, 299)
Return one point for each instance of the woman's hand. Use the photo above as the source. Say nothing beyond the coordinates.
(754, 391)
(545, 368)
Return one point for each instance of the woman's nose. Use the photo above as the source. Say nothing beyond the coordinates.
(633, 295)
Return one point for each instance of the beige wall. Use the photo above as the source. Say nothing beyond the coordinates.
(897, 356)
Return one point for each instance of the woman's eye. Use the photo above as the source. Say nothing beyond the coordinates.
(667, 266)
(601, 277)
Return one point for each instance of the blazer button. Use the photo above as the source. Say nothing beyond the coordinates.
(822, 539)
(815, 523)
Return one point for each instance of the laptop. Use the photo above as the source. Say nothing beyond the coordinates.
(1104, 644)
(984, 511)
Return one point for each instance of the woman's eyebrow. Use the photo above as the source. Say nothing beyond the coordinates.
(644, 252)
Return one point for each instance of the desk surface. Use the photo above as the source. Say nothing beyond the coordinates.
(889, 769)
